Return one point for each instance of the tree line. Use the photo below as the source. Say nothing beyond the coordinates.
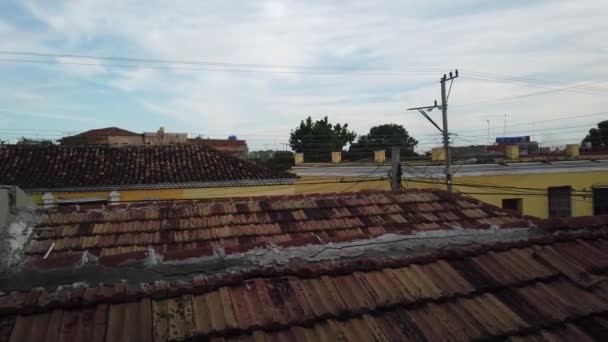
(317, 139)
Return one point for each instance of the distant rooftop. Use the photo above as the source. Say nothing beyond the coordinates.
(94, 167)
(103, 132)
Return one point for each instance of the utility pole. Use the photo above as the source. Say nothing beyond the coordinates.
(446, 137)
(396, 168)
(444, 130)
(488, 139)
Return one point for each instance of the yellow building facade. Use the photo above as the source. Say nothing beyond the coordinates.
(493, 189)
(499, 189)
(307, 185)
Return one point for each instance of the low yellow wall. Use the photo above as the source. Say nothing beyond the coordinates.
(302, 186)
(534, 203)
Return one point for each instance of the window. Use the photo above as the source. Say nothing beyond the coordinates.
(512, 204)
(560, 202)
(600, 201)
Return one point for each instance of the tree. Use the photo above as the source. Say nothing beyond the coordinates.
(383, 137)
(318, 139)
(598, 136)
(280, 161)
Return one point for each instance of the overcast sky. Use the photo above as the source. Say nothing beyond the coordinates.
(557, 44)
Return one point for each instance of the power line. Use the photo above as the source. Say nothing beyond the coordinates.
(302, 72)
(273, 68)
(473, 184)
(501, 99)
(364, 178)
(539, 121)
(209, 63)
(533, 131)
(512, 79)
(544, 86)
(473, 73)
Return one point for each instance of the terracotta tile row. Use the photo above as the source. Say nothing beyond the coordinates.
(287, 220)
(275, 232)
(392, 284)
(523, 290)
(203, 241)
(381, 202)
(51, 167)
(295, 309)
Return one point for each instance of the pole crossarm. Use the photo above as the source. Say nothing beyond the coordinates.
(430, 119)
(425, 107)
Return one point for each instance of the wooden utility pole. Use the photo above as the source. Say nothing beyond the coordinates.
(396, 168)
(444, 130)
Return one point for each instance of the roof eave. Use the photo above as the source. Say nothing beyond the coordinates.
(187, 185)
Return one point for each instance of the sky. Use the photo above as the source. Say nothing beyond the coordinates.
(539, 66)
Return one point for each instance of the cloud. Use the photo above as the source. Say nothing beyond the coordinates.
(134, 79)
(560, 41)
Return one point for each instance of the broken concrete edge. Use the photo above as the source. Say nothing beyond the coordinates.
(274, 258)
(16, 227)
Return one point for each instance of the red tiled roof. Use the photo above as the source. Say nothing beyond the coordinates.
(55, 167)
(104, 132)
(182, 229)
(550, 285)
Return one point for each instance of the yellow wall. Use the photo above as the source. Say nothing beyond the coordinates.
(303, 186)
(534, 205)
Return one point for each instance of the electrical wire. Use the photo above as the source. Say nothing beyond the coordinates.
(206, 63)
(502, 99)
(362, 180)
(472, 73)
(539, 121)
(481, 186)
(153, 67)
(515, 79)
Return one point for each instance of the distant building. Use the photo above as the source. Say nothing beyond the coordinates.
(119, 136)
(161, 138)
(103, 136)
(232, 146)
